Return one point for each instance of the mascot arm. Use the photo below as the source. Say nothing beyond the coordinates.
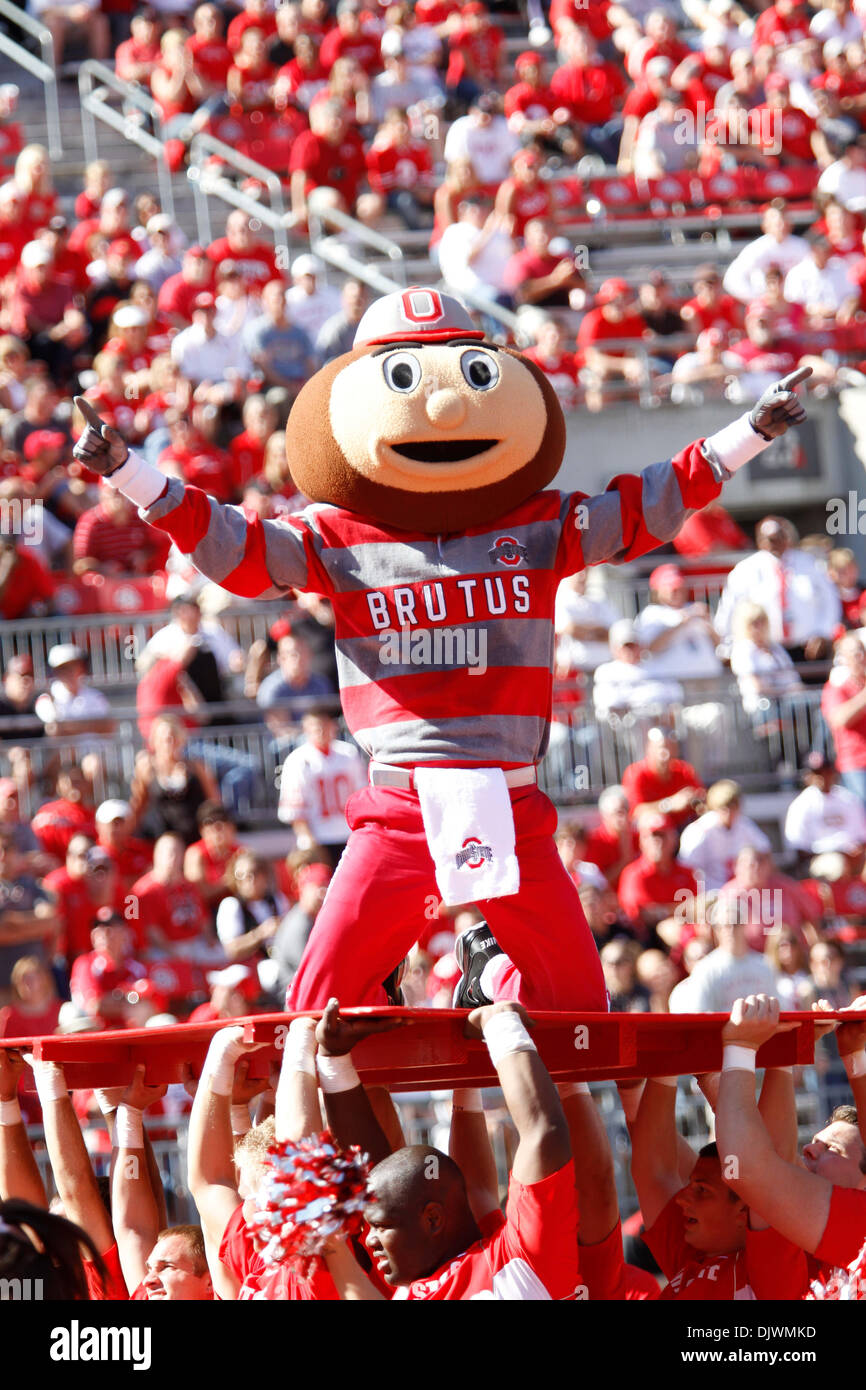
(638, 512)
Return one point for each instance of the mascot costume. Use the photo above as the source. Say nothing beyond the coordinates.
(426, 451)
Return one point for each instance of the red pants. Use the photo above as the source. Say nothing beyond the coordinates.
(375, 907)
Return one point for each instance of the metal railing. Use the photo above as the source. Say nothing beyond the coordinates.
(209, 182)
(95, 108)
(42, 68)
(341, 256)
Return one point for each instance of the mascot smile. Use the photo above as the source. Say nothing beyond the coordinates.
(427, 453)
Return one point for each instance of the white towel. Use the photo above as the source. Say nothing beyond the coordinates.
(469, 826)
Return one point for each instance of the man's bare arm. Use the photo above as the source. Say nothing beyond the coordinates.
(19, 1171)
(76, 1182)
(134, 1211)
(655, 1161)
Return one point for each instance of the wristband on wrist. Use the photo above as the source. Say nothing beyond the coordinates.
(104, 1103)
(737, 1058)
(855, 1063)
(240, 1120)
(467, 1098)
(572, 1088)
(300, 1048)
(140, 481)
(128, 1128)
(10, 1112)
(504, 1034)
(49, 1079)
(735, 445)
(336, 1074)
(226, 1047)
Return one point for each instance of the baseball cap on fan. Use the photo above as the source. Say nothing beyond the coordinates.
(418, 314)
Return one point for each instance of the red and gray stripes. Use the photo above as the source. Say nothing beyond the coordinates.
(444, 644)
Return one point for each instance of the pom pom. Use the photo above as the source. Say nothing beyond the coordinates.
(312, 1192)
(842, 1285)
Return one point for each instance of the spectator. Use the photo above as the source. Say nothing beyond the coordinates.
(294, 930)
(247, 453)
(169, 788)
(280, 352)
(28, 921)
(657, 973)
(400, 172)
(401, 85)
(729, 972)
(475, 251)
(134, 61)
(591, 89)
(159, 262)
(582, 623)
(614, 843)
(39, 413)
(18, 717)
(802, 605)
(844, 572)
(655, 887)
(71, 813)
(171, 917)
(206, 356)
(207, 860)
(26, 586)
(34, 1008)
(710, 531)
(845, 179)
(843, 704)
(247, 921)
(787, 958)
(710, 307)
(337, 334)
(475, 54)
(704, 373)
(825, 817)
(821, 284)
(317, 779)
(328, 164)
(80, 20)
(627, 996)
(677, 634)
(72, 706)
(570, 840)
(43, 313)
(662, 784)
(86, 882)
(627, 683)
(111, 539)
(540, 275)
(614, 318)
(177, 293)
(710, 845)
(102, 977)
(535, 112)
(762, 899)
(764, 670)
(287, 691)
(226, 999)
(745, 276)
(483, 138)
(664, 143)
(131, 857)
(827, 970)
(310, 302)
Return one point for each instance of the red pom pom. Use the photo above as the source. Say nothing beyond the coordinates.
(311, 1193)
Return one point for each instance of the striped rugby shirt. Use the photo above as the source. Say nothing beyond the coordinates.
(444, 643)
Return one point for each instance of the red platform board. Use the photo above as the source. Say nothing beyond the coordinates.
(429, 1051)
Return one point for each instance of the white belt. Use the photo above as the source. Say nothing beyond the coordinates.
(383, 775)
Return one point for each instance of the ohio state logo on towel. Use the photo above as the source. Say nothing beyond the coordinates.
(506, 550)
(473, 854)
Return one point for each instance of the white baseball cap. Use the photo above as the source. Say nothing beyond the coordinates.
(416, 313)
(130, 316)
(160, 222)
(35, 253)
(112, 810)
(230, 977)
(621, 632)
(306, 265)
(64, 653)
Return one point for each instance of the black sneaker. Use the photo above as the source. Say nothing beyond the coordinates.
(391, 985)
(473, 949)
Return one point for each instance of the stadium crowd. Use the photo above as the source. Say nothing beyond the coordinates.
(152, 904)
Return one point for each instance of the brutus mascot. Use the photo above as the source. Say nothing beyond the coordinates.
(427, 452)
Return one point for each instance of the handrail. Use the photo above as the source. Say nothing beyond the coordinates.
(207, 182)
(95, 108)
(44, 68)
(335, 217)
(336, 254)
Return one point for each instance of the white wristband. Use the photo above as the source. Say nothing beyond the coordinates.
(665, 1080)
(226, 1047)
(128, 1128)
(10, 1112)
(300, 1048)
(572, 1088)
(467, 1098)
(734, 445)
(105, 1105)
(736, 1058)
(855, 1063)
(49, 1079)
(241, 1122)
(336, 1074)
(505, 1034)
(138, 480)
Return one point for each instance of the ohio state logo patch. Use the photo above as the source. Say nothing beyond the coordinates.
(505, 550)
(473, 854)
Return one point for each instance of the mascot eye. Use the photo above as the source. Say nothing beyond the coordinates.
(480, 370)
(402, 371)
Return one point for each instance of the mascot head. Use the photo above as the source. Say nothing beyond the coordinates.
(424, 425)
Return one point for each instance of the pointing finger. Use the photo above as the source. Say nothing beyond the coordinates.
(89, 413)
(794, 378)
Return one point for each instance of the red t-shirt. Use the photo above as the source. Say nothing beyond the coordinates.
(595, 328)
(56, 822)
(768, 1267)
(364, 48)
(532, 1256)
(592, 17)
(13, 236)
(132, 861)
(603, 849)
(845, 1231)
(642, 785)
(211, 58)
(391, 168)
(607, 1276)
(709, 530)
(642, 884)
(255, 84)
(260, 1281)
(126, 57)
(591, 93)
(340, 166)
(114, 1290)
(176, 296)
(204, 466)
(525, 201)
(526, 265)
(244, 21)
(726, 313)
(158, 691)
(176, 909)
(562, 373)
(776, 29)
(851, 741)
(95, 975)
(256, 265)
(76, 909)
(29, 583)
(791, 128)
(247, 456)
(477, 53)
(535, 103)
(14, 1023)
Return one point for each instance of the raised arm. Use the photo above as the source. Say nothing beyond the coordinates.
(470, 1147)
(76, 1182)
(795, 1202)
(297, 1112)
(134, 1210)
(530, 1095)
(351, 1117)
(656, 1161)
(251, 558)
(19, 1171)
